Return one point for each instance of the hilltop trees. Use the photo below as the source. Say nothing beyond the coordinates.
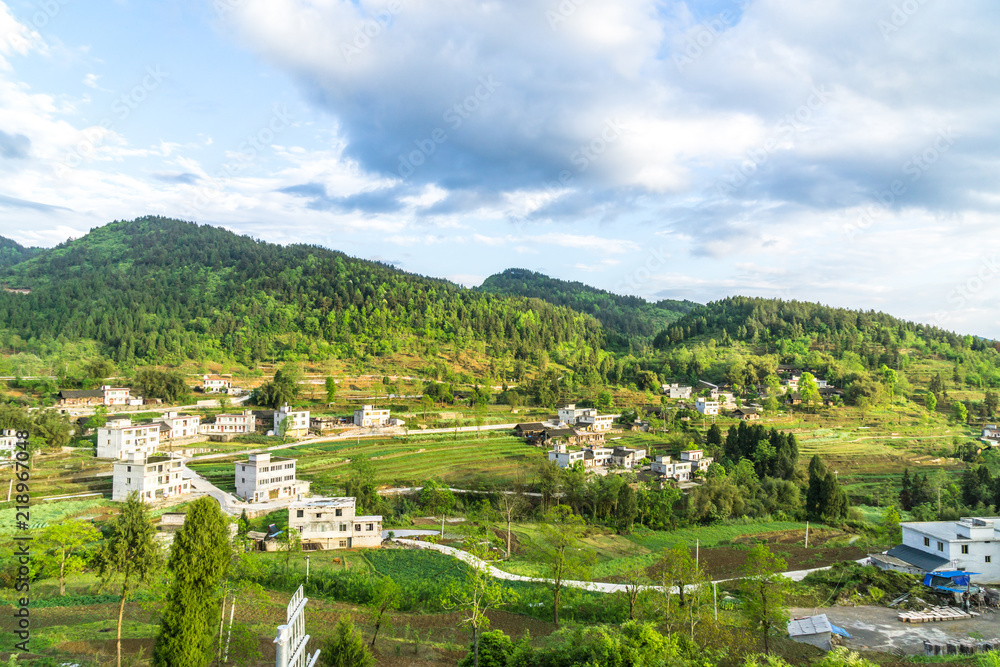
(773, 453)
(766, 588)
(199, 560)
(66, 540)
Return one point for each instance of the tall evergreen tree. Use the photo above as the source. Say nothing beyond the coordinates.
(130, 553)
(199, 559)
(904, 493)
(814, 494)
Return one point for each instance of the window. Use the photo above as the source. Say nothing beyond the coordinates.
(343, 544)
(319, 515)
(940, 546)
(369, 527)
(357, 527)
(128, 468)
(243, 480)
(299, 514)
(340, 512)
(965, 548)
(343, 527)
(927, 541)
(989, 559)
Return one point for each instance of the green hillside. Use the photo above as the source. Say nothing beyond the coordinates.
(623, 317)
(12, 252)
(161, 290)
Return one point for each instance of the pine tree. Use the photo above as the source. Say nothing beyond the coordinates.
(815, 502)
(199, 560)
(904, 494)
(346, 648)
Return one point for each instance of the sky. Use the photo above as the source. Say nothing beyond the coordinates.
(839, 151)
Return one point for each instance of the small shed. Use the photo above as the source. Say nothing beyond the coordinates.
(814, 630)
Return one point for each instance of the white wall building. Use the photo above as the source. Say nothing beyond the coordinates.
(626, 457)
(567, 457)
(369, 417)
(678, 470)
(120, 437)
(586, 417)
(243, 422)
(971, 544)
(153, 478)
(296, 421)
(262, 478)
(115, 395)
(697, 459)
(179, 426)
(330, 523)
(706, 407)
(8, 444)
(676, 390)
(212, 385)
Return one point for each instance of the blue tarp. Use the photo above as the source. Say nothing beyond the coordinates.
(949, 580)
(839, 631)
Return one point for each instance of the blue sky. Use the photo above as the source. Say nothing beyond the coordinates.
(841, 151)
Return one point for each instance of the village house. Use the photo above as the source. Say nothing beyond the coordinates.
(293, 423)
(230, 424)
(697, 459)
(586, 417)
(8, 444)
(625, 457)
(261, 478)
(153, 478)
(529, 429)
(326, 423)
(991, 435)
(570, 436)
(216, 385)
(330, 523)
(706, 407)
(676, 390)
(120, 437)
(174, 425)
(679, 471)
(970, 544)
(592, 456)
(368, 416)
(106, 395)
(746, 414)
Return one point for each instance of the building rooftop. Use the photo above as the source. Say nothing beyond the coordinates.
(917, 558)
(809, 625)
(323, 502)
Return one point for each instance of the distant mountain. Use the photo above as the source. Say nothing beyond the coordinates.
(12, 252)
(163, 290)
(623, 317)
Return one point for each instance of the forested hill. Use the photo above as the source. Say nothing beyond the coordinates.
(768, 321)
(12, 252)
(161, 289)
(623, 317)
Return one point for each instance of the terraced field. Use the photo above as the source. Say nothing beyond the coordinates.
(402, 461)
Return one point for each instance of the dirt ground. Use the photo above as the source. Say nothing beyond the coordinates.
(876, 628)
(727, 561)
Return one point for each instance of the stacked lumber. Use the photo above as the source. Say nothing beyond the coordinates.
(935, 614)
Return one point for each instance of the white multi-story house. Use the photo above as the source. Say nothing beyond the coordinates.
(115, 395)
(262, 478)
(120, 437)
(244, 422)
(369, 417)
(296, 422)
(626, 457)
(178, 426)
(676, 390)
(706, 407)
(677, 470)
(211, 385)
(566, 457)
(697, 459)
(153, 478)
(586, 417)
(971, 544)
(8, 444)
(330, 523)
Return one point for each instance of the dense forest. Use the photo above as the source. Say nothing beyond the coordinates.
(624, 318)
(166, 290)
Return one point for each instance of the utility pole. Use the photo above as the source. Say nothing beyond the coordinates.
(807, 534)
(715, 599)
